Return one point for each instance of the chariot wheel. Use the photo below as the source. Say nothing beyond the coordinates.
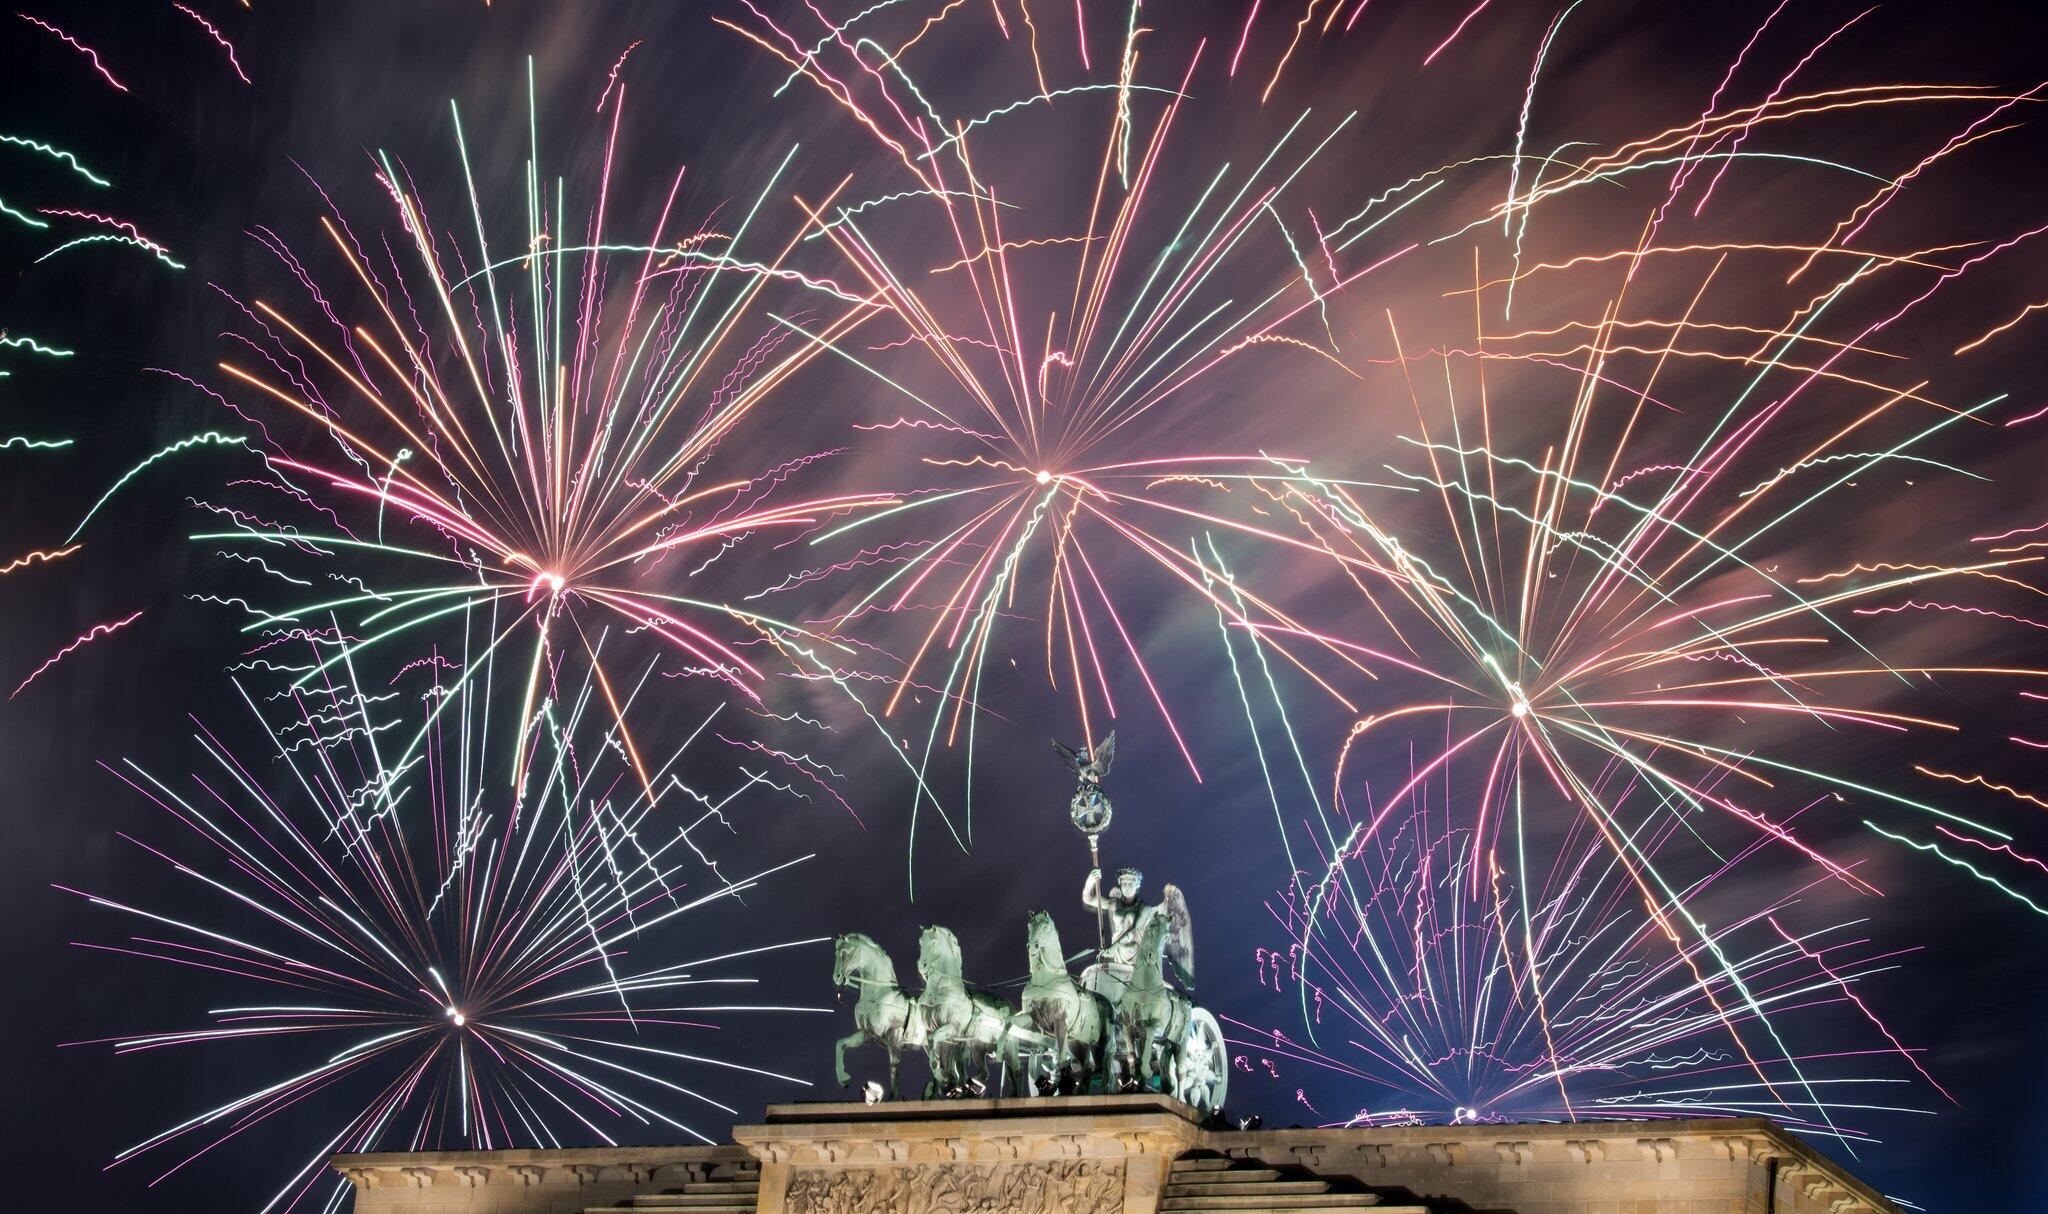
(1204, 1063)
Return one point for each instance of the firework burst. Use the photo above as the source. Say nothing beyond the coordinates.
(452, 964)
(1054, 347)
(1629, 582)
(1451, 996)
(541, 429)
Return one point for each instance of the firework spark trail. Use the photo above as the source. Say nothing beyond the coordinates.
(2005, 848)
(104, 220)
(148, 246)
(612, 78)
(123, 226)
(459, 975)
(68, 159)
(37, 556)
(1441, 47)
(89, 635)
(33, 346)
(21, 216)
(78, 46)
(1934, 849)
(1821, 962)
(234, 60)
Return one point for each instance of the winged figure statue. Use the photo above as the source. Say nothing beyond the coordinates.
(1128, 914)
(1090, 764)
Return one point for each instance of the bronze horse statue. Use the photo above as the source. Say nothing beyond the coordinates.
(1151, 1018)
(964, 1030)
(1076, 1023)
(884, 1013)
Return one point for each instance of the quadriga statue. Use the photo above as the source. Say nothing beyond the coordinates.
(1129, 1023)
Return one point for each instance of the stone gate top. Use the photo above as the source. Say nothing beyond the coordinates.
(1137, 1154)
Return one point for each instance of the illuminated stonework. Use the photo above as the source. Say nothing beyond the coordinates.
(1130, 1155)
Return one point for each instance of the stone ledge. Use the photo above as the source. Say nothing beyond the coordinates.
(1113, 1155)
(1007, 1107)
(548, 1156)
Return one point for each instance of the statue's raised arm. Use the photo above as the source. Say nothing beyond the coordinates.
(1091, 891)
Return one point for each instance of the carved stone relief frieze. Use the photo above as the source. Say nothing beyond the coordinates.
(1043, 1187)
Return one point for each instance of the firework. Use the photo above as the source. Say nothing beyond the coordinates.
(453, 963)
(23, 156)
(540, 427)
(1056, 350)
(1634, 588)
(80, 47)
(1629, 577)
(1441, 994)
(213, 32)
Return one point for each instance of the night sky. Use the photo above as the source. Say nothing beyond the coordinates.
(204, 163)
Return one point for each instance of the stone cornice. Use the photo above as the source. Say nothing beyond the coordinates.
(1136, 1136)
(529, 1167)
(972, 1131)
(1584, 1142)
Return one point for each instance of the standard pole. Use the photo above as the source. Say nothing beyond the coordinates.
(1101, 924)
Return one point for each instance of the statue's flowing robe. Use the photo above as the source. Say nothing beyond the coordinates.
(1118, 959)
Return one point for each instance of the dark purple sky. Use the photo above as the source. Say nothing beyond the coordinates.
(198, 160)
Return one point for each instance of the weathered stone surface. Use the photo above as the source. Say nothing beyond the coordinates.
(1026, 1188)
(1115, 1155)
(1100, 1155)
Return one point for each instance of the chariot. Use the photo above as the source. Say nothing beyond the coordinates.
(1129, 1022)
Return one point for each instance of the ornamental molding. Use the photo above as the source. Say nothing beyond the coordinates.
(1035, 1187)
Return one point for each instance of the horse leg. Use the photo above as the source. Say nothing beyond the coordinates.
(935, 1064)
(1091, 1042)
(1017, 1074)
(1149, 1065)
(839, 1055)
(1027, 1081)
(1006, 1054)
(1105, 1052)
(1125, 1071)
(955, 1069)
(1098, 1056)
(1112, 1057)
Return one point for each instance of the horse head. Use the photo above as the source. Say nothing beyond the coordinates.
(857, 959)
(938, 953)
(844, 957)
(1152, 946)
(1042, 943)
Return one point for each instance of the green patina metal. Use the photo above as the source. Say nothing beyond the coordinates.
(1128, 1023)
